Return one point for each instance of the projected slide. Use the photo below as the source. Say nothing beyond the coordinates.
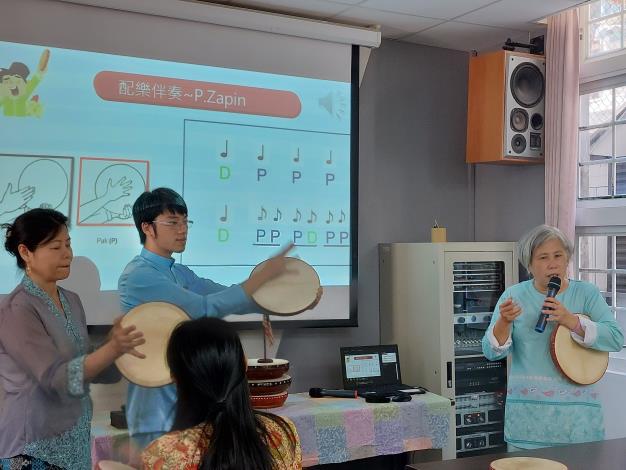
(261, 160)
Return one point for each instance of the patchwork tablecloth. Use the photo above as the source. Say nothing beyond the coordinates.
(336, 430)
(331, 430)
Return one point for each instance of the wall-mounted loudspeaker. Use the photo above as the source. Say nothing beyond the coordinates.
(506, 108)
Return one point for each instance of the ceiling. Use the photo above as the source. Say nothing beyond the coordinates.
(454, 24)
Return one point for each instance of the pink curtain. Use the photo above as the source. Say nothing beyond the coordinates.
(562, 104)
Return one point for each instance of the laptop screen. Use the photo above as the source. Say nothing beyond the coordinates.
(370, 365)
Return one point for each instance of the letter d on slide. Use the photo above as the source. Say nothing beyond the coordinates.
(222, 235)
(224, 172)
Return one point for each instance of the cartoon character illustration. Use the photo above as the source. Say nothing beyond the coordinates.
(16, 88)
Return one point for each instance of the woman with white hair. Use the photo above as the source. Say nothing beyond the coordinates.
(543, 408)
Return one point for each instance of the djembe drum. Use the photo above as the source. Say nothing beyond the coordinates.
(156, 320)
(290, 293)
(583, 366)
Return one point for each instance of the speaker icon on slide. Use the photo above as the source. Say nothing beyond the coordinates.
(335, 103)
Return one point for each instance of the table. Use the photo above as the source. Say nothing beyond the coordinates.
(602, 455)
(332, 430)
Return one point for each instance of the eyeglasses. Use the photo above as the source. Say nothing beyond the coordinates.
(177, 224)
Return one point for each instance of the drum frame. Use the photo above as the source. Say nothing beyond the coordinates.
(557, 362)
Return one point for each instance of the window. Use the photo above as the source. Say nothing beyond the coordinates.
(602, 144)
(601, 207)
(603, 26)
(602, 261)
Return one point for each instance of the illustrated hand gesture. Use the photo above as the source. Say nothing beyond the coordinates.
(127, 211)
(13, 200)
(121, 188)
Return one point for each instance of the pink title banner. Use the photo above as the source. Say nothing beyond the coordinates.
(163, 91)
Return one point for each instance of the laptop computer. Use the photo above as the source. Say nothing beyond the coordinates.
(369, 369)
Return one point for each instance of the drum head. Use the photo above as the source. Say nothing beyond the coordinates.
(265, 365)
(290, 293)
(526, 463)
(581, 365)
(155, 320)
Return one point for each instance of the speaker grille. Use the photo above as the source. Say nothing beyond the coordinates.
(519, 120)
(527, 84)
(518, 143)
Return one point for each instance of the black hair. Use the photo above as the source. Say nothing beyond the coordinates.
(153, 203)
(207, 362)
(31, 229)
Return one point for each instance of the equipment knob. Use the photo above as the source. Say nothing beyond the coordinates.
(461, 320)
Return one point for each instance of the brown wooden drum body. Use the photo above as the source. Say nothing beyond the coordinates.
(265, 371)
(581, 365)
(156, 320)
(269, 387)
(268, 401)
(290, 293)
(526, 463)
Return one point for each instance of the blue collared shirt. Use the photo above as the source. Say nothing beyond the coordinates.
(153, 278)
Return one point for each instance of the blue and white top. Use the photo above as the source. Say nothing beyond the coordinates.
(543, 408)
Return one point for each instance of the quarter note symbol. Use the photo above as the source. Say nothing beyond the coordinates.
(224, 154)
(330, 217)
(330, 158)
(224, 217)
(263, 214)
(261, 156)
(298, 216)
(313, 217)
(279, 215)
(297, 157)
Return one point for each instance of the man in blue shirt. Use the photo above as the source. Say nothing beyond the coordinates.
(152, 276)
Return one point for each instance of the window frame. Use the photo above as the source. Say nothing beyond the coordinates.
(608, 201)
(585, 22)
(617, 360)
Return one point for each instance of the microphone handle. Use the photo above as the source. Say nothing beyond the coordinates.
(339, 393)
(540, 327)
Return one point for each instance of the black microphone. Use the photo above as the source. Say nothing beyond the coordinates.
(324, 392)
(553, 288)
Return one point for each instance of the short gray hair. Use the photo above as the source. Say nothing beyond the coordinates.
(536, 237)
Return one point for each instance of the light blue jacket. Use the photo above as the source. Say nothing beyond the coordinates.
(153, 278)
(543, 408)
